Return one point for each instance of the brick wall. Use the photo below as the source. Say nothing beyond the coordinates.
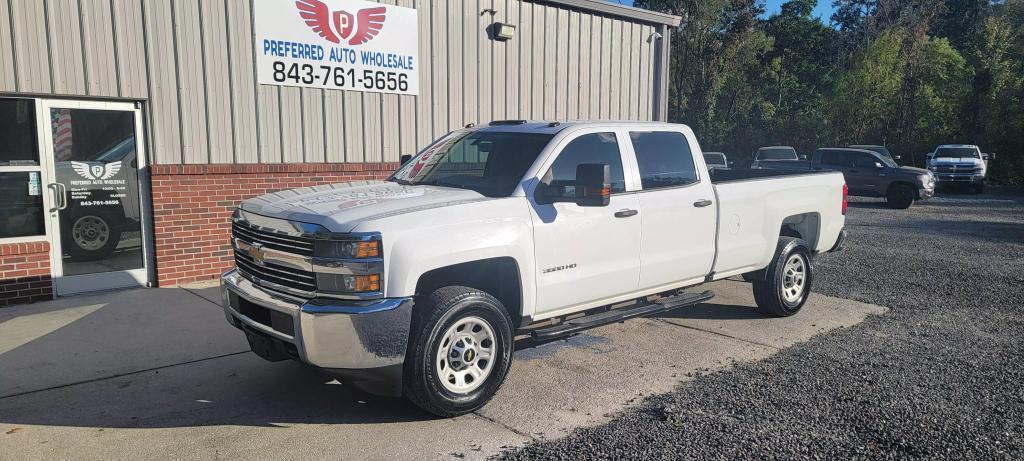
(25, 273)
(192, 206)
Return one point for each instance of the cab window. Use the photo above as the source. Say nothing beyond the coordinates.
(588, 148)
(664, 159)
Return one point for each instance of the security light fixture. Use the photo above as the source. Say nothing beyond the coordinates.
(503, 31)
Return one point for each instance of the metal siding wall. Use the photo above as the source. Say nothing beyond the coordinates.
(165, 138)
(187, 46)
(101, 65)
(30, 46)
(220, 131)
(130, 48)
(66, 60)
(193, 61)
(7, 64)
(243, 81)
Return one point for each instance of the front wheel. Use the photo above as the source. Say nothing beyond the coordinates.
(90, 236)
(787, 280)
(459, 352)
(900, 196)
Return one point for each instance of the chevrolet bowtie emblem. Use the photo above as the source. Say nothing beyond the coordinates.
(257, 253)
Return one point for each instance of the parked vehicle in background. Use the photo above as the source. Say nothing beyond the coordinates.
(881, 150)
(767, 155)
(869, 174)
(960, 164)
(716, 161)
(416, 286)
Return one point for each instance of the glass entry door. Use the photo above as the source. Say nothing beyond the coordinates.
(94, 151)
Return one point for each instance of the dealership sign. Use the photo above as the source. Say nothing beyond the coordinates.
(337, 44)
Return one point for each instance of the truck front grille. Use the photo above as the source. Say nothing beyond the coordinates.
(957, 169)
(287, 243)
(266, 273)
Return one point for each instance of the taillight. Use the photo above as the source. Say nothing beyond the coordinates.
(845, 192)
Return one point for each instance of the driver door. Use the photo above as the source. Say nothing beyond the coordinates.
(586, 254)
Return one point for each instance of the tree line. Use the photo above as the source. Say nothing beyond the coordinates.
(907, 74)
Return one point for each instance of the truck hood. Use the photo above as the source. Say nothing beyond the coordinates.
(909, 170)
(341, 207)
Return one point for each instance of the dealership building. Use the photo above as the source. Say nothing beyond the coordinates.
(131, 129)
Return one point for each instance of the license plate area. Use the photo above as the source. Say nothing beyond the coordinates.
(270, 349)
(276, 320)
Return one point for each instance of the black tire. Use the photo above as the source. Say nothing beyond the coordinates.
(900, 196)
(770, 293)
(104, 232)
(422, 375)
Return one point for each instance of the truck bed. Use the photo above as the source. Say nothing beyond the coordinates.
(753, 205)
(743, 174)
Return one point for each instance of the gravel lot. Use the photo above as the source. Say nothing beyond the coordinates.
(937, 377)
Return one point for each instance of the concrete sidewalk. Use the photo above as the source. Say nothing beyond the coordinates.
(160, 374)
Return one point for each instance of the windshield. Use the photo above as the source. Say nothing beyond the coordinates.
(714, 159)
(777, 153)
(491, 163)
(879, 149)
(957, 152)
(886, 160)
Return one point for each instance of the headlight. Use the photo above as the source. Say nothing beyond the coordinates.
(347, 249)
(349, 266)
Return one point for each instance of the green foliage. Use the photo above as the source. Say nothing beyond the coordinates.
(910, 75)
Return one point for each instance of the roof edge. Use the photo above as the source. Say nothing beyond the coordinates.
(622, 11)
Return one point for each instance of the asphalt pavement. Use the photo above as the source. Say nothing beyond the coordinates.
(937, 377)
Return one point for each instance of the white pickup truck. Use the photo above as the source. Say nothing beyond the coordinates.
(418, 285)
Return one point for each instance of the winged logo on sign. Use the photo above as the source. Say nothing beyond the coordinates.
(338, 25)
(96, 172)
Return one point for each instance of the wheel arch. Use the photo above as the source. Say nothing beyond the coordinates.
(499, 276)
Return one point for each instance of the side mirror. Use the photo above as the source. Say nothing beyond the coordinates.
(879, 166)
(802, 157)
(404, 159)
(593, 184)
(897, 157)
(988, 156)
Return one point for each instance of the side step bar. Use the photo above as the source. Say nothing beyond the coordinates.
(587, 322)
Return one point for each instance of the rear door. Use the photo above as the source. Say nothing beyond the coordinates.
(866, 174)
(677, 208)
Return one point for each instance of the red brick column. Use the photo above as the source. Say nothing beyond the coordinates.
(192, 206)
(25, 273)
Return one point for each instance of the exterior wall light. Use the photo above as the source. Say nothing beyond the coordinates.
(502, 31)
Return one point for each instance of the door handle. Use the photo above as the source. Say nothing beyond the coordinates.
(702, 203)
(625, 213)
(60, 196)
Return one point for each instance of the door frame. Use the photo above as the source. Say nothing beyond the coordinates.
(75, 284)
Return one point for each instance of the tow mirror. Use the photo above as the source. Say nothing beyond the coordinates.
(593, 184)
(404, 159)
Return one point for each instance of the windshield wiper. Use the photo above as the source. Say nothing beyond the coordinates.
(445, 184)
(404, 182)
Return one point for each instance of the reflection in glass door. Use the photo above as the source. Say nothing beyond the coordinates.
(94, 183)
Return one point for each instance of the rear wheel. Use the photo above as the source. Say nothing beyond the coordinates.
(900, 196)
(459, 352)
(787, 280)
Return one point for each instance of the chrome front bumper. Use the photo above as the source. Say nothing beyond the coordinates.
(327, 333)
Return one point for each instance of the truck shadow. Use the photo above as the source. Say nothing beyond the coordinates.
(713, 311)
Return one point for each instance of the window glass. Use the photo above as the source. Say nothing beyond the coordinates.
(865, 161)
(21, 210)
(491, 163)
(664, 159)
(835, 158)
(18, 133)
(589, 148)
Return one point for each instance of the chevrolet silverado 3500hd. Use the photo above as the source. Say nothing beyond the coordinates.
(418, 285)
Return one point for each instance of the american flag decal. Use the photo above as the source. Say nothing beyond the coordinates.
(62, 137)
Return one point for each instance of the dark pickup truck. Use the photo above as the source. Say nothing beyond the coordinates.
(868, 174)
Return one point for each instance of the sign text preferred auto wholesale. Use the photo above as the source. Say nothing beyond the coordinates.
(337, 44)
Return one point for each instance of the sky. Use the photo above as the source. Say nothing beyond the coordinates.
(823, 11)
